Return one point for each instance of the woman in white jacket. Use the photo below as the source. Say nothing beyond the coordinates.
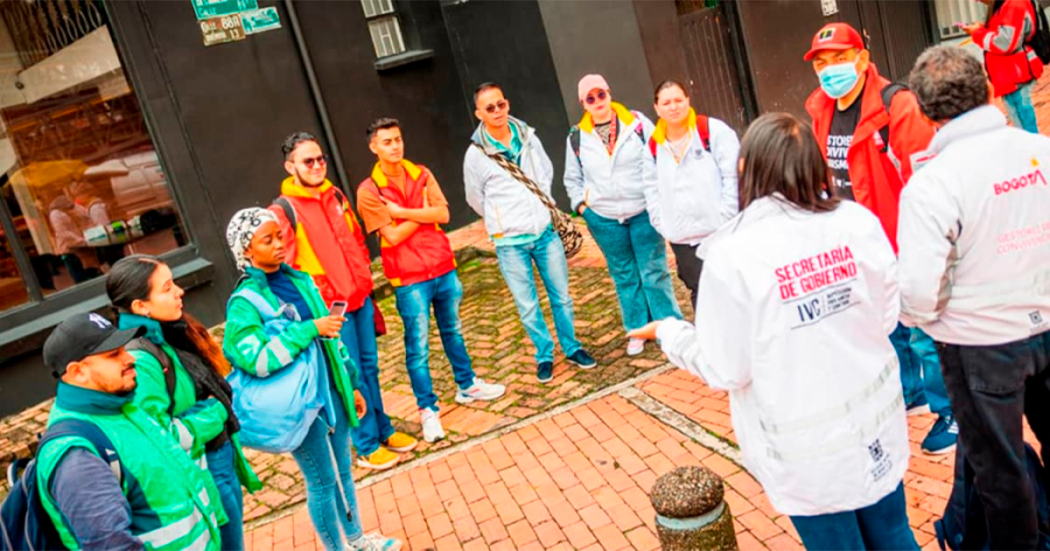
(604, 160)
(800, 296)
(690, 178)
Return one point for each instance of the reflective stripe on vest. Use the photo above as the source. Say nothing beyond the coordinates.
(185, 436)
(867, 431)
(166, 535)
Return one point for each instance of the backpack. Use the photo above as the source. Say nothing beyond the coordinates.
(703, 128)
(24, 523)
(146, 345)
(887, 94)
(964, 525)
(289, 213)
(271, 409)
(1040, 41)
(574, 137)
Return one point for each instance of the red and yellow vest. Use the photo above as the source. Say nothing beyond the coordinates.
(328, 243)
(427, 253)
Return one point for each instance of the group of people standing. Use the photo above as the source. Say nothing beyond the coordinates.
(788, 243)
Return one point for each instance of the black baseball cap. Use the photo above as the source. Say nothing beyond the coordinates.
(81, 336)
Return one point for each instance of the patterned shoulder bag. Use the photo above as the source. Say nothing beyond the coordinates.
(571, 238)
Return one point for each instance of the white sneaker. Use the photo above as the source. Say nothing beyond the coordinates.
(480, 390)
(635, 346)
(373, 542)
(432, 429)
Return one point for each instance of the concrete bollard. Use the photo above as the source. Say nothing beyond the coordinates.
(690, 512)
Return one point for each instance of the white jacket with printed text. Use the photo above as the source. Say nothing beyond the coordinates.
(610, 185)
(508, 207)
(689, 199)
(974, 234)
(798, 308)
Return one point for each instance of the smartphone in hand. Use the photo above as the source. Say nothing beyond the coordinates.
(338, 309)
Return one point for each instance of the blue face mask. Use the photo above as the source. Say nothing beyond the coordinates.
(838, 80)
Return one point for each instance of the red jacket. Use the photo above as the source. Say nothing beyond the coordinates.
(327, 243)
(427, 253)
(877, 173)
(1009, 62)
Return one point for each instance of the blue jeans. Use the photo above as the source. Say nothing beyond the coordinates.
(637, 260)
(920, 369)
(324, 453)
(515, 262)
(223, 472)
(883, 525)
(1019, 108)
(359, 336)
(413, 303)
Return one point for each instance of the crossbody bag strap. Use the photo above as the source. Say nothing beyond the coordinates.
(519, 175)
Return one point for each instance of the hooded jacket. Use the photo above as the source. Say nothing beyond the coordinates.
(327, 243)
(798, 311)
(194, 423)
(610, 185)
(508, 207)
(250, 349)
(1010, 62)
(877, 171)
(689, 199)
(975, 234)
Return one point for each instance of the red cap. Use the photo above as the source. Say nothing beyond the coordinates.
(835, 36)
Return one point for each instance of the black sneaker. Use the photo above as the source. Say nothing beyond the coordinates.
(545, 372)
(582, 359)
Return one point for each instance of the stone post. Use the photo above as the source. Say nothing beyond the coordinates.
(690, 512)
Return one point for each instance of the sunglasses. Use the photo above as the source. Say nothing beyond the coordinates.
(320, 161)
(601, 95)
(498, 106)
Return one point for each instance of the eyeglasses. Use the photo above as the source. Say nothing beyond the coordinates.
(320, 161)
(500, 105)
(601, 95)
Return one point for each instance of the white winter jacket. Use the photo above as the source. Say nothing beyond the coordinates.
(974, 234)
(508, 207)
(798, 308)
(689, 199)
(610, 185)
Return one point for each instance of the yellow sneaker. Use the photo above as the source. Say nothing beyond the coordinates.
(400, 442)
(379, 460)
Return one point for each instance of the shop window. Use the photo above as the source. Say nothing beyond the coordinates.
(384, 26)
(950, 12)
(79, 176)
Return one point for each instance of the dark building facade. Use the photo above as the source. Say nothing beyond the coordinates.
(123, 133)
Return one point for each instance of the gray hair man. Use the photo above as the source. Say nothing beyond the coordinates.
(974, 240)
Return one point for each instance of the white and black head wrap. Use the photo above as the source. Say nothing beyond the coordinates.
(242, 229)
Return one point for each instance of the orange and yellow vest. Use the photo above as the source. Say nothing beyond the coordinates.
(427, 253)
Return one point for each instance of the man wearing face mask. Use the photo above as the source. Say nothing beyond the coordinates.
(874, 136)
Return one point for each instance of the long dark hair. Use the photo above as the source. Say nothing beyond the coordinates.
(129, 280)
(781, 155)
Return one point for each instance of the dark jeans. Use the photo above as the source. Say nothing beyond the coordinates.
(359, 336)
(689, 268)
(883, 525)
(992, 388)
(223, 472)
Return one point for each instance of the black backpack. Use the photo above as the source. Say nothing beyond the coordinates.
(24, 523)
(964, 525)
(1040, 41)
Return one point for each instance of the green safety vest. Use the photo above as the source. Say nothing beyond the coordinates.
(171, 506)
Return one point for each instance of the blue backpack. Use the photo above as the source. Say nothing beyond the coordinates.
(24, 523)
(964, 525)
(272, 409)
